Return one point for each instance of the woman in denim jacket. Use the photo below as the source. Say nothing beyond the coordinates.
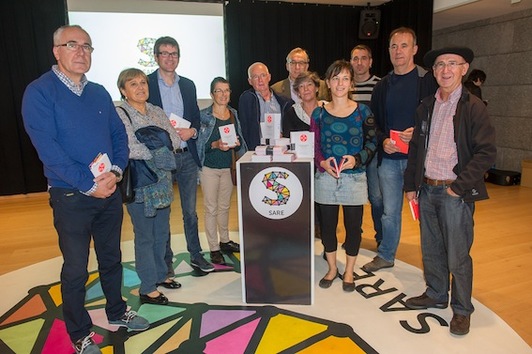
(217, 159)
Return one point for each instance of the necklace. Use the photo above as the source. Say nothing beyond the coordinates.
(221, 115)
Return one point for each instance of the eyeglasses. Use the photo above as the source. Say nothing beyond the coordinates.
(298, 63)
(261, 76)
(73, 46)
(167, 54)
(451, 65)
(217, 91)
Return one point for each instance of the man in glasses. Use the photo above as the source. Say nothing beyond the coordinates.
(176, 95)
(297, 62)
(257, 102)
(82, 144)
(452, 147)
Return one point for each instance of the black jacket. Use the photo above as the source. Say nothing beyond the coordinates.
(249, 115)
(475, 143)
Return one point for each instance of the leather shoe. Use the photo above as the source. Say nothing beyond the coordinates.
(217, 257)
(376, 264)
(460, 324)
(172, 284)
(159, 300)
(229, 247)
(326, 283)
(424, 302)
(348, 287)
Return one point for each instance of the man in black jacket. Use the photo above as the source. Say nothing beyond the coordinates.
(258, 101)
(452, 147)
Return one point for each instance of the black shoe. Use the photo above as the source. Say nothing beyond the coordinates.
(159, 300)
(460, 324)
(325, 283)
(217, 257)
(202, 264)
(348, 287)
(423, 302)
(229, 247)
(172, 284)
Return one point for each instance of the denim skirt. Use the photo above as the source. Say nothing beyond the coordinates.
(349, 189)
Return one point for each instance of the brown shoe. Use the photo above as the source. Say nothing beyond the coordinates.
(460, 324)
(424, 302)
(217, 257)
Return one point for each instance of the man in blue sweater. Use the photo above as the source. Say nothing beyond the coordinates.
(74, 127)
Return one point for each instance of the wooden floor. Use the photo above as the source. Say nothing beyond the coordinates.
(502, 251)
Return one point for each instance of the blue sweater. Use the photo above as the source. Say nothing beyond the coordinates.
(69, 131)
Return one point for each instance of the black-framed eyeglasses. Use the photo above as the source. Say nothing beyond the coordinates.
(73, 46)
(167, 54)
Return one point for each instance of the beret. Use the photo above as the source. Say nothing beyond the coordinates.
(464, 52)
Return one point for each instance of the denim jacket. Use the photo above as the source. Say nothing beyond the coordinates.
(208, 121)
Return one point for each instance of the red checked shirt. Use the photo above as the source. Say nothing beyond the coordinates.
(441, 153)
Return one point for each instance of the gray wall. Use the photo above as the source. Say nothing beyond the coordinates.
(503, 49)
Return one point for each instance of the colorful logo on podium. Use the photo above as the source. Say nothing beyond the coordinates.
(276, 193)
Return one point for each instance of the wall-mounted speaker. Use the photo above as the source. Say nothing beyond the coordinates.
(370, 21)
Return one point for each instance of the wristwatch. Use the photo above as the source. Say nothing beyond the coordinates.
(118, 175)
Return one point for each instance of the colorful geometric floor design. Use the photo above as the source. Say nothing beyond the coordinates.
(35, 324)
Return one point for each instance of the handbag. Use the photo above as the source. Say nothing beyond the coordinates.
(126, 186)
(233, 168)
(136, 174)
(233, 162)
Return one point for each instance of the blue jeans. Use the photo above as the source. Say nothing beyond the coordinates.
(186, 176)
(446, 239)
(151, 235)
(391, 183)
(375, 197)
(77, 218)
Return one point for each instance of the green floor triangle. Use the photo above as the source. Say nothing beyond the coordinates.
(21, 338)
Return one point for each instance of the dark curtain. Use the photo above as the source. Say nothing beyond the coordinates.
(255, 31)
(267, 31)
(26, 29)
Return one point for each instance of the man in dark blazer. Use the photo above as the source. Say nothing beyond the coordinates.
(176, 95)
(297, 62)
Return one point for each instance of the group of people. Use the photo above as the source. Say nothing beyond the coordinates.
(85, 144)
(352, 112)
(451, 144)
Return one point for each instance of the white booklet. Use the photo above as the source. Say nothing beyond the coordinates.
(178, 122)
(228, 134)
(271, 127)
(303, 143)
(100, 164)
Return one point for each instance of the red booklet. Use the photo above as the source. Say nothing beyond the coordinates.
(414, 209)
(394, 137)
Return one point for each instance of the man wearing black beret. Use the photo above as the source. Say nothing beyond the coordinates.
(453, 145)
